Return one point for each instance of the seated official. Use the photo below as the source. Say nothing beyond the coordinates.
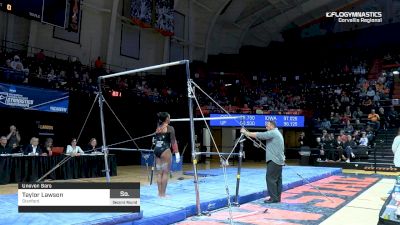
(48, 146)
(33, 148)
(16, 148)
(4, 149)
(92, 146)
(73, 149)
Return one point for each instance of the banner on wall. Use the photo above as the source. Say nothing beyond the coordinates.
(29, 98)
(74, 15)
(158, 14)
(141, 12)
(164, 17)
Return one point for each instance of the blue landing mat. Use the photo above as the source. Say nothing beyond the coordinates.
(180, 204)
(10, 215)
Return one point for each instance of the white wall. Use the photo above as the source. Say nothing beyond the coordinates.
(93, 37)
(15, 28)
(151, 46)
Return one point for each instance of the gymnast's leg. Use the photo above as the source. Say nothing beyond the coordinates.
(166, 165)
(159, 175)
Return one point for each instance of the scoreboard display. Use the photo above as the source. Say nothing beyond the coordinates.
(250, 120)
(47, 11)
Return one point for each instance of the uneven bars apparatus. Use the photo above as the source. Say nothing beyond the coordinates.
(240, 154)
(190, 104)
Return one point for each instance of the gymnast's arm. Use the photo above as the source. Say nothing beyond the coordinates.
(174, 144)
(259, 135)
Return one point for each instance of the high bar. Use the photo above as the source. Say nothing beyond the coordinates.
(207, 118)
(144, 69)
(132, 149)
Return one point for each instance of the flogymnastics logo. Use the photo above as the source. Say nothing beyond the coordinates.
(356, 17)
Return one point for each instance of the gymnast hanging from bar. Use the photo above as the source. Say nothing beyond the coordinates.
(164, 141)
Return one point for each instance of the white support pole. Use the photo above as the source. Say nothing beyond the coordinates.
(103, 133)
(194, 159)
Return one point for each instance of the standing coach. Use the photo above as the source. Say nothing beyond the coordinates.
(275, 158)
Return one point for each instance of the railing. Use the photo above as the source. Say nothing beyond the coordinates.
(31, 51)
(109, 67)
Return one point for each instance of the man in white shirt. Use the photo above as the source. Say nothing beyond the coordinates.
(33, 148)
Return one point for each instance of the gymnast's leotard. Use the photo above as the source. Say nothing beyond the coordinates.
(162, 143)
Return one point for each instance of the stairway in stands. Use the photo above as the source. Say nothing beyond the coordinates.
(396, 87)
(375, 69)
(384, 154)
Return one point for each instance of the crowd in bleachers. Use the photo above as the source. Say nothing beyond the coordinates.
(347, 106)
(71, 75)
(47, 72)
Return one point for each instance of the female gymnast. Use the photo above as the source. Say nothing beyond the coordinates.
(164, 141)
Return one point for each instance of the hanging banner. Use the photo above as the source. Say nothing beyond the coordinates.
(141, 12)
(29, 98)
(164, 17)
(74, 15)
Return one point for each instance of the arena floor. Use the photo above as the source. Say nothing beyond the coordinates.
(362, 209)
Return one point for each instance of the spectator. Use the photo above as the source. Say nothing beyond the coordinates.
(344, 119)
(73, 149)
(13, 137)
(330, 147)
(348, 113)
(338, 145)
(374, 119)
(325, 124)
(303, 140)
(383, 121)
(343, 136)
(33, 148)
(356, 136)
(370, 134)
(338, 90)
(336, 119)
(51, 76)
(363, 140)
(325, 136)
(370, 92)
(376, 99)
(246, 109)
(16, 64)
(367, 103)
(4, 149)
(358, 113)
(393, 117)
(40, 56)
(320, 146)
(348, 128)
(358, 125)
(349, 147)
(98, 64)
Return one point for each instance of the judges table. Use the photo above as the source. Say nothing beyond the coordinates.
(14, 169)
